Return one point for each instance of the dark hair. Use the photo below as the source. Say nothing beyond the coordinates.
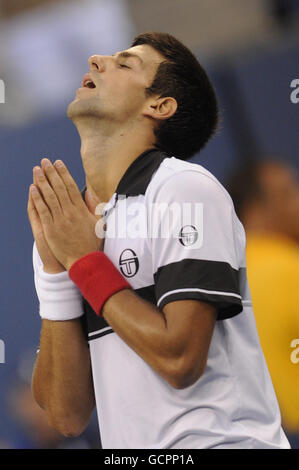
(183, 78)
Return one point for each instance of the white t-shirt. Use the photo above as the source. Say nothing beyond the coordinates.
(201, 256)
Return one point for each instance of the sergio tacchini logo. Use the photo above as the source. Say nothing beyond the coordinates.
(188, 235)
(128, 263)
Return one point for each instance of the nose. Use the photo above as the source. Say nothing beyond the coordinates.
(97, 62)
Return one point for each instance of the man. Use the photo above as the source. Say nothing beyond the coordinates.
(174, 359)
(266, 197)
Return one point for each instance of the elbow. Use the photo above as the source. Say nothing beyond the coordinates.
(182, 381)
(67, 422)
(183, 375)
(69, 425)
(68, 414)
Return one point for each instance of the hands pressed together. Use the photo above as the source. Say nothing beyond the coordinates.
(63, 225)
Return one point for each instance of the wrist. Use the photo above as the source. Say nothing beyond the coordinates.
(59, 298)
(71, 261)
(97, 278)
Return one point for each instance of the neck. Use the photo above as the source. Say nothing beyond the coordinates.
(107, 155)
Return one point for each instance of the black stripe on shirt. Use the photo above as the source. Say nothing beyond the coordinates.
(147, 293)
(204, 275)
(100, 334)
(227, 307)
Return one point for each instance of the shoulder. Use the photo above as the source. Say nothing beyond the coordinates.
(176, 179)
(179, 182)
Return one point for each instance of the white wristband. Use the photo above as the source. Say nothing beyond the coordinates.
(59, 298)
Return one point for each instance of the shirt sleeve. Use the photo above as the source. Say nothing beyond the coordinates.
(196, 243)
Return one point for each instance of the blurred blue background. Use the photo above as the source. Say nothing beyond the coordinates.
(251, 52)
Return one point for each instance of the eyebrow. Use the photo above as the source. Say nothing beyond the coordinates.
(128, 55)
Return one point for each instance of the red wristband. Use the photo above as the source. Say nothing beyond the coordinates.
(97, 278)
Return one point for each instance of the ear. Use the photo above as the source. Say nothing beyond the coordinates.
(161, 109)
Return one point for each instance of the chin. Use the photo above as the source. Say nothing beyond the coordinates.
(74, 108)
(80, 107)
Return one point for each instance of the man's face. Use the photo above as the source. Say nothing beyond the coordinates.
(114, 88)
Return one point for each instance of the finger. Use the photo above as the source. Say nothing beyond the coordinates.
(49, 196)
(34, 219)
(40, 206)
(32, 212)
(56, 183)
(70, 184)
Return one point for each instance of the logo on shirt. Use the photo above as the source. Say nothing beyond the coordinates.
(128, 263)
(188, 235)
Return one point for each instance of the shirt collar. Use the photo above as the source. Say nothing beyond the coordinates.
(137, 177)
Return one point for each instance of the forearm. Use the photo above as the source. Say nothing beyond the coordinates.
(173, 342)
(144, 328)
(62, 380)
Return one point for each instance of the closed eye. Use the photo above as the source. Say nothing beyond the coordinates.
(124, 66)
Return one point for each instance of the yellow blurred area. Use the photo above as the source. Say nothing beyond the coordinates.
(273, 273)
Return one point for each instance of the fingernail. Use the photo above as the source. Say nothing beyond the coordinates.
(38, 171)
(59, 163)
(46, 162)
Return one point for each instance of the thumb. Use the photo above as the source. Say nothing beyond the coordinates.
(91, 200)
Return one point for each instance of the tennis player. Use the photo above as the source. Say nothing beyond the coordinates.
(153, 321)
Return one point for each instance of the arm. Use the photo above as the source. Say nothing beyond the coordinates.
(174, 343)
(62, 381)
